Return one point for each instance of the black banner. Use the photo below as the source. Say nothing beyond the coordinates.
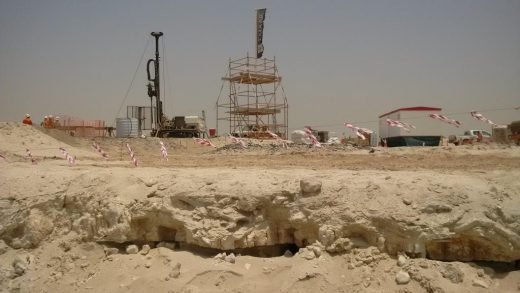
(260, 17)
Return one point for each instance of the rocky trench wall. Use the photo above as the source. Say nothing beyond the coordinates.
(232, 221)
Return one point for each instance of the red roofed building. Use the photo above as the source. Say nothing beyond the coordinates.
(426, 131)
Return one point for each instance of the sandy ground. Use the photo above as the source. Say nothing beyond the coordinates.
(53, 240)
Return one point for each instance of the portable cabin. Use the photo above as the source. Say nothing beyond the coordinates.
(425, 133)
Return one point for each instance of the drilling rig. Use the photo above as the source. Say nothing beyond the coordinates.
(180, 126)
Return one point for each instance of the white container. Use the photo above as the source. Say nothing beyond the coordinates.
(127, 127)
(299, 136)
(194, 121)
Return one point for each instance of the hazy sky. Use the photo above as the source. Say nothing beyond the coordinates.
(340, 60)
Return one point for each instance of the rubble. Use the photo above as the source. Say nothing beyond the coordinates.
(480, 283)
(401, 260)
(132, 249)
(452, 273)
(310, 186)
(145, 249)
(402, 278)
(111, 250)
(230, 258)
(20, 266)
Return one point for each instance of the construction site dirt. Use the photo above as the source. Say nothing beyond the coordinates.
(197, 218)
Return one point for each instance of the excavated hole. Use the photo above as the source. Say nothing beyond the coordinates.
(499, 267)
(259, 251)
(280, 249)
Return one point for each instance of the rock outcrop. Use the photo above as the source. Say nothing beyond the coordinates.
(342, 214)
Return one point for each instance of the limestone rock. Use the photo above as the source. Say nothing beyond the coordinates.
(18, 243)
(37, 227)
(6, 273)
(326, 235)
(65, 245)
(145, 249)
(310, 186)
(309, 255)
(402, 278)
(132, 249)
(20, 266)
(111, 251)
(176, 271)
(401, 260)
(3, 247)
(169, 245)
(480, 283)
(220, 256)
(381, 243)
(316, 250)
(230, 258)
(340, 245)
(452, 273)
(150, 183)
(308, 275)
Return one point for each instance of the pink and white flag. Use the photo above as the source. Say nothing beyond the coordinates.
(480, 117)
(403, 125)
(204, 141)
(164, 152)
(314, 141)
(29, 156)
(238, 141)
(99, 150)
(278, 139)
(446, 119)
(132, 155)
(68, 157)
(360, 132)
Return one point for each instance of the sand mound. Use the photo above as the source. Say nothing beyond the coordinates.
(17, 138)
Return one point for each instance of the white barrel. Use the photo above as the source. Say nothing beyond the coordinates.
(127, 127)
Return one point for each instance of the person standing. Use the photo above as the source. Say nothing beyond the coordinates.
(27, 120)
(479, 136)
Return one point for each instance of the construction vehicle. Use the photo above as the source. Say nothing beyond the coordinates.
(470, 137)
(179, 126)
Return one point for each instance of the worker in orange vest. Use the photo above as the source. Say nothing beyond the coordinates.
(27, 120)
(51, 121)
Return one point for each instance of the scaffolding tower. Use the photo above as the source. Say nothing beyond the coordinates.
(256, 101)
